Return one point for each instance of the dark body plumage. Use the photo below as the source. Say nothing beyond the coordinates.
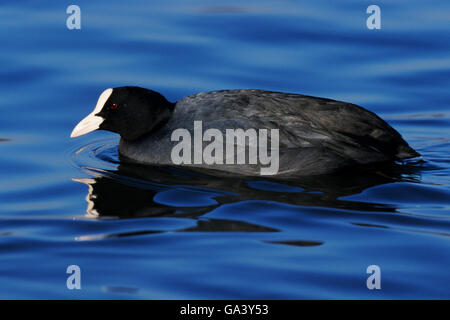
(316, 135)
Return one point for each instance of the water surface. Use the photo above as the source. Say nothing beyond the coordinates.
(141, 232)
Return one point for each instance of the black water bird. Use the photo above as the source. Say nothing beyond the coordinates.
(316, 135)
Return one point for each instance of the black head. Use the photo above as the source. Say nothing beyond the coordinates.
(128, 111)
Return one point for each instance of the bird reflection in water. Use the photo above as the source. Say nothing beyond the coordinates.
(133, 191)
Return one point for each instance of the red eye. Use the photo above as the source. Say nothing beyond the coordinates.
(114, 106)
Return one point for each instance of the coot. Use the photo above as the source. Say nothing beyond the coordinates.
(302, 135)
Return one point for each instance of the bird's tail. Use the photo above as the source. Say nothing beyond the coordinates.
(406, 152)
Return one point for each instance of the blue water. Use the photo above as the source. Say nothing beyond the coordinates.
(141, 232)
